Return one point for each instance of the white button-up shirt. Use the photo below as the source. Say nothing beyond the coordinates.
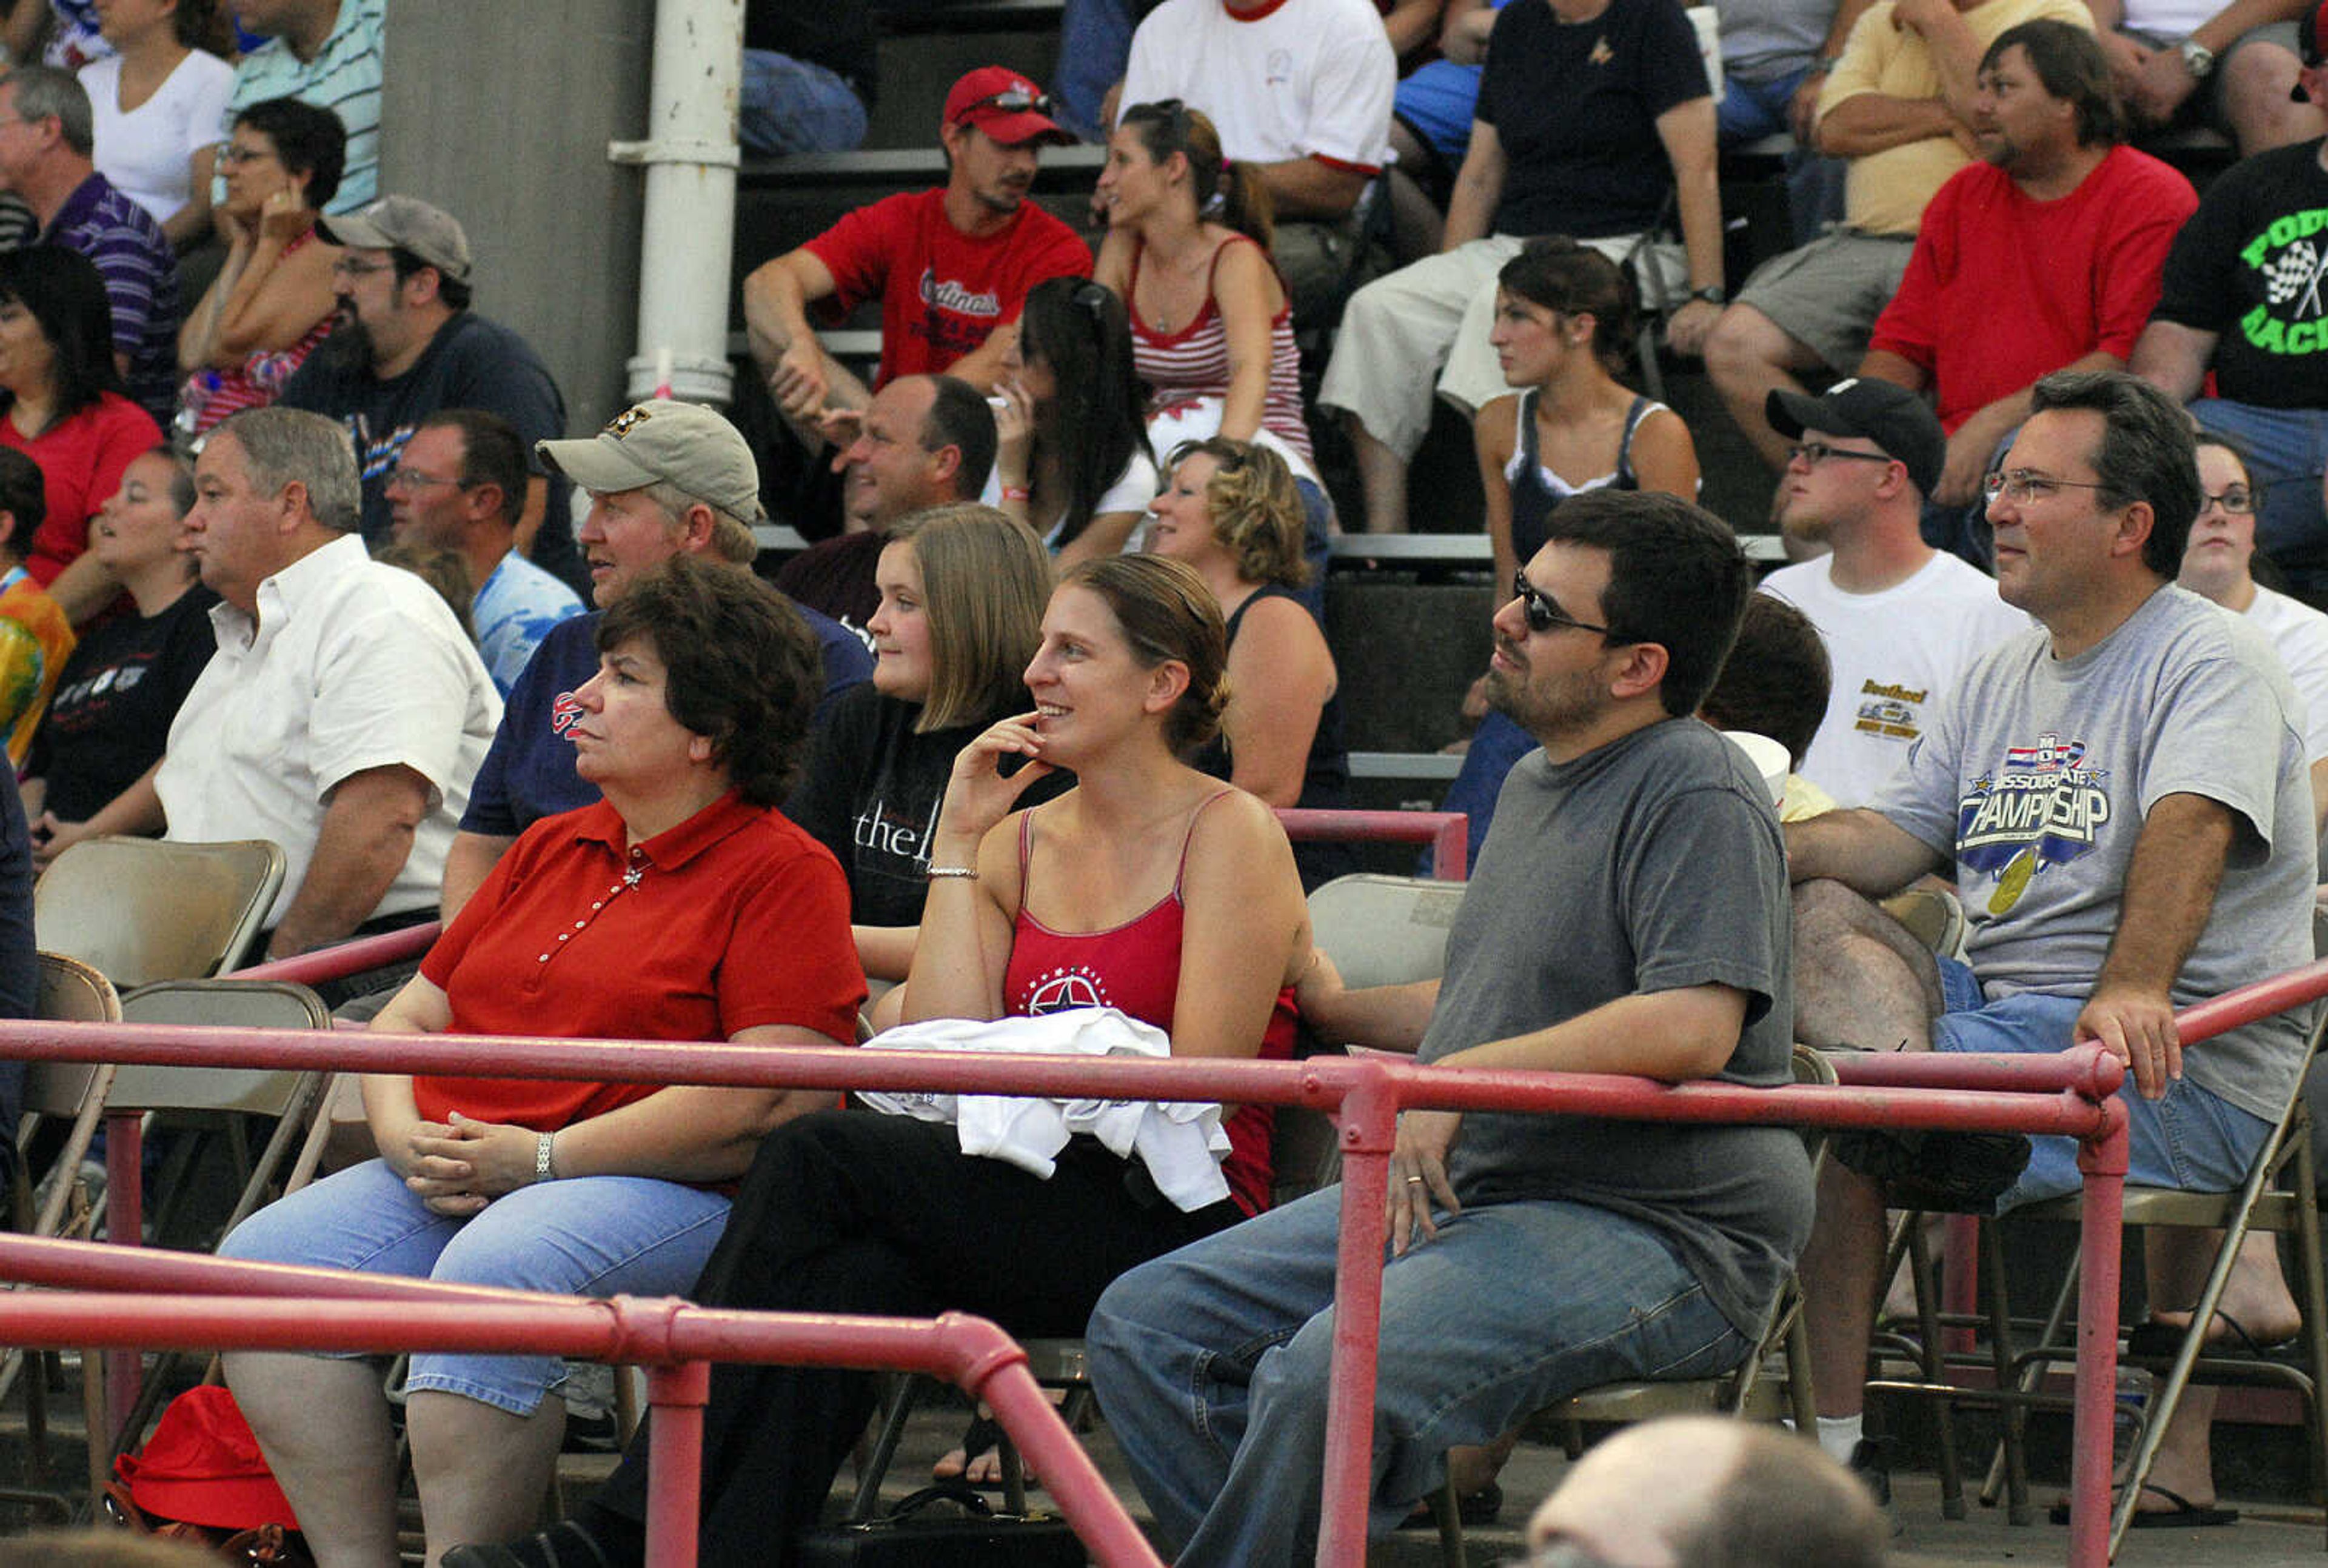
(349, 665)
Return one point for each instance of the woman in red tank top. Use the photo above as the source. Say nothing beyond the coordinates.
(1148, 886)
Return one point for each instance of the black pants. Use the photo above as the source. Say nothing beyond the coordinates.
(851, 1211)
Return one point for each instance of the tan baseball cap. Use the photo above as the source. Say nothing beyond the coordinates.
(404, 223)
(664, 441)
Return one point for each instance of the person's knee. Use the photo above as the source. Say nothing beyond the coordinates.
(1124, 1318)
(1743, 342)
(1826, 911)
(2256, 83)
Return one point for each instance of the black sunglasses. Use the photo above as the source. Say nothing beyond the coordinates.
(1016, 100)
(1543, 616)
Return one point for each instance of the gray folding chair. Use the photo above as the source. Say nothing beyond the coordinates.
(143, 910)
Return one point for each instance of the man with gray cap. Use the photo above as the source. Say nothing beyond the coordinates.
(1902, 621)
(407, 344)
(345, 710)
(664, 478)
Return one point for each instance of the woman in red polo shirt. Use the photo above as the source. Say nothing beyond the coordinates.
(683, 906)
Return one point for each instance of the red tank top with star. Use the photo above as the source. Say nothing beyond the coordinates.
(1135, 968)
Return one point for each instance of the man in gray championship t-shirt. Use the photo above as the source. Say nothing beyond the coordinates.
(2122, 796)
(1628, 915)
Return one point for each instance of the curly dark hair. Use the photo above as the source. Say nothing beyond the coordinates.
(741, 667)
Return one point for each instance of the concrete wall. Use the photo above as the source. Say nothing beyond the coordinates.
(500, 112)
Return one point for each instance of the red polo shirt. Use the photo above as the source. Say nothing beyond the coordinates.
(733, 919)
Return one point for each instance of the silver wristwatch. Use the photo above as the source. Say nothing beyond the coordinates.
(2197, 59)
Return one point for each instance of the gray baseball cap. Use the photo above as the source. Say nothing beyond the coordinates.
(1886, 413)
(664, 441)
(404, 223)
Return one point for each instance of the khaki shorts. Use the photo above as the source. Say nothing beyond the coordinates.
(1827, 295)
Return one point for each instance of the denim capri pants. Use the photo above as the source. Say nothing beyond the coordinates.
(594, 1236)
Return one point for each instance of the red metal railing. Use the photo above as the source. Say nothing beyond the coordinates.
(2067, 1094)
(346, 958)
(1445, 832)
(210, 1302)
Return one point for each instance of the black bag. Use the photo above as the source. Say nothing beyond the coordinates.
(922, 1532)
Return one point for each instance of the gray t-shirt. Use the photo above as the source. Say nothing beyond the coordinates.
(2038, 774)
(1651, 864)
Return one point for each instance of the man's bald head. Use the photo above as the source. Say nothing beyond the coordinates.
(1703, 1492)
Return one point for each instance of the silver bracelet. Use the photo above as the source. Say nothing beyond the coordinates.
(541, 1147)
(968, 873)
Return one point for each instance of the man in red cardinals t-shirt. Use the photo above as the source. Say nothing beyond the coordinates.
(950, 265)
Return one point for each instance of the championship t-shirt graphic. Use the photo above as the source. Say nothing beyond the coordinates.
(2042, 806)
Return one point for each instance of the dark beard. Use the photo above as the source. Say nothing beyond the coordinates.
(346, 350)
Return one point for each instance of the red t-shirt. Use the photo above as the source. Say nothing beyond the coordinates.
(83, 460)
(2003, 289)
(738, 918)
(941, 291)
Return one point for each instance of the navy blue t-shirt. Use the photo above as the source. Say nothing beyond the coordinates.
(529, 773)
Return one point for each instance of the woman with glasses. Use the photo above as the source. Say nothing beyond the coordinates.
(1563, 327)
(2220, 561)
(1212, 326)
(63, 406)
(1072, 460)
(1231, 512)
(273, 301)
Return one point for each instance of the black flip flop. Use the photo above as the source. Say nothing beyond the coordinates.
(2184, 1514)
(2160, 1341)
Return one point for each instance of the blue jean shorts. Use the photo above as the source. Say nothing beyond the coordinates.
(2189, 1139)
(594, 1235)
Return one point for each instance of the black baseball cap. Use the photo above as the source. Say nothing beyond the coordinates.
(1886, 413)
(2312, 39)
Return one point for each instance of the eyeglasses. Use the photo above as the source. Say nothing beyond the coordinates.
(1543, 616)
(1814, 453)
(234, 157)
(1014, 100)
(2236, 501)
(413, 479)
(2022, 487)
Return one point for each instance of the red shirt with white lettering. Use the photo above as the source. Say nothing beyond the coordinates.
(941, 291)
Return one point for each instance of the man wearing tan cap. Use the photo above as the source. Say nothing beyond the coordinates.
(950, 267)
(408, 345)
(664, 478)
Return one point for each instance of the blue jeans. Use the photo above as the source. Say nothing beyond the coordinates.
(1212, 1361)
(790, 105)
(594, 1235)
(1496, 745)
(2288, 448)
(1750, 110)
(1095, 48)
(2189, 1139)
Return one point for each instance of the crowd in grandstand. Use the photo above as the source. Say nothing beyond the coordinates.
(2046, 426)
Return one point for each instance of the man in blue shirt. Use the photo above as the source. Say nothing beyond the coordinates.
(663, 478)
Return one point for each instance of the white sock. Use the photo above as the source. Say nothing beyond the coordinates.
(1838, 1435)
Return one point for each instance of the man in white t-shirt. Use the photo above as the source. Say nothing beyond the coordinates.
(1902, 621)
(1300, 89)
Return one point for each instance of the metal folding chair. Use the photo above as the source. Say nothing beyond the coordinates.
(143, 910)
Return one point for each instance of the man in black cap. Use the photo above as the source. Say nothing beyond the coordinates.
(1902, 621)
(2245, 295)
(408, 345)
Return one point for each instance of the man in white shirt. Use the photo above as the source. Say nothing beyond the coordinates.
(344, 713)
(1902, 621)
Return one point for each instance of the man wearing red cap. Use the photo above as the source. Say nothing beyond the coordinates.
(950, 267)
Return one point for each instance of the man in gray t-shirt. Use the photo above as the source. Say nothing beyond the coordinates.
(1628, 914)
(2123, 800)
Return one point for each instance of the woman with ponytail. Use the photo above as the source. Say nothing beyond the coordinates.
(1212, 326)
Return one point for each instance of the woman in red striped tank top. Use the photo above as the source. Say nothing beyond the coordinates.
(1187, 247)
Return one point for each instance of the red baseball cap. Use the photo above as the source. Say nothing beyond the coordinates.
(1005, 105)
